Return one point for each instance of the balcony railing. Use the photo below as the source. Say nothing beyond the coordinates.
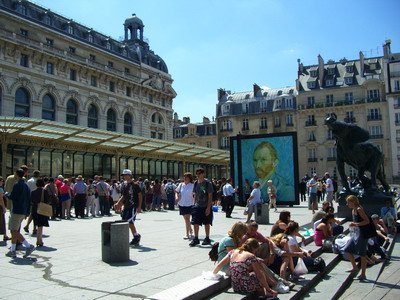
(311, 123)
(376, 136)
(312, 139)
(263, 127)
(350, 119)
(245, 129)
(289, 124)
(277, 125)
(312, 159)
(331, 158)
(374, 117)
(225, 129)
(373, 99)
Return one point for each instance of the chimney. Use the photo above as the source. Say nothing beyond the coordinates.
(221, 94)
(362, 63)
(206, 120)
(386, 49)
(186, 120)
(256, 90)
(320, 69)
(300, 67)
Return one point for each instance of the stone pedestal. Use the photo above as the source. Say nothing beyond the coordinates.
(371, 202)
(262, 214)
(115, 241)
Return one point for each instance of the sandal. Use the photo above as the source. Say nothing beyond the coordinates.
(361, 277)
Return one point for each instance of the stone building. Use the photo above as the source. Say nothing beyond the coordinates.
(202, 134)
(260, 111)
(57, 70)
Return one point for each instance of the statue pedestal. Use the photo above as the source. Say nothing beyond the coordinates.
(371, 202)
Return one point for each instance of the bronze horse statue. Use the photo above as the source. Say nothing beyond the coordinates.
(353, 149)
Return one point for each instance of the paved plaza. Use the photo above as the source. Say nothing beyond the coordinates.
(70, 265)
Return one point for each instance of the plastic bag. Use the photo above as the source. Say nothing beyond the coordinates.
(211, 276)
(301, 268)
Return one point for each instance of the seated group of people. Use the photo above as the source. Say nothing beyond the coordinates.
(259, 264)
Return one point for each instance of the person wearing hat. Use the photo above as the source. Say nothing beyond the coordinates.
(130, 203)
(80, 192)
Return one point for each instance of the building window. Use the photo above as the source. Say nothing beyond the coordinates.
(208, 145)
(110, 64)
(50, 68)
(373, 94)
(313, 73)
(49, 42)
(92, 116)
(153, 134)
(24, 61)
(111, 120)
(349, 117)
(311, 121)
(277, 122)
(312, 155)
(150, 97)
(263, 123)
(70, 29)
(72, 74)
(397, 85)
(92, 57)
(311, 84)
(263, 106)
(225, 142)
(128, 91)
(22, 103)
(128, 123)
(47, 20)
(21, 9)
(329, 135)
(127, 71)
(163, 102)
(329, 100)
(160, 136)
(177, 133)
(329, 82)
(48, 108)
(72, 112)
(289, 120)
(90, 38)
(348, 80)
(209, 130)
(72, 50)
(331, 154)
(93, 80)
(331, 71)
(311, 136)
(348, 97)
(375, 132)
(112, 86)
(397, 118)
(157, 118)
(245, 108)
(23, 32)
(349, 69)
(245, 124)
(310, 102)
(374, 114)
(108, 45)
(313, 170)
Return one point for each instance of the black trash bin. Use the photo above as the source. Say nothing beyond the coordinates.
(115, 241)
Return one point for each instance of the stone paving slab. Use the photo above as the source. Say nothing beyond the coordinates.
(70, 265)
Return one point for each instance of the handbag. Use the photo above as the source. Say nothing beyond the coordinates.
(301, 268)
(327, 245)
(44, 209)
(369, 230)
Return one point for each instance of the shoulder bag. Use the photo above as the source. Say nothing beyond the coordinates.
(43, 208)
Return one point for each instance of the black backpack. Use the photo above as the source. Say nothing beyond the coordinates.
(213, 254)
(318, 265)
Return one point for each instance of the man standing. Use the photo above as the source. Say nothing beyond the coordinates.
(21, 202)
(170, 188)
(312, 186)
(103, 190)
(202, 212)
(229, 195)
(80, 192)
(131, 202)
(32, 187)
(329, 189)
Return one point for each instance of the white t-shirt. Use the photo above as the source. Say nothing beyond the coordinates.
(185, 194)
(256, 193)
(329, 183)
(292, 241)
(32, 184)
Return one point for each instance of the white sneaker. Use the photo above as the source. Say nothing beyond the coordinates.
(281, 288)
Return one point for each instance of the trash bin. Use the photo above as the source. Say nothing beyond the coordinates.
(262, 214)
(115, 241)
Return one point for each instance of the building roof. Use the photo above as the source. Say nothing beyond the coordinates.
(265, 93)
(79, 138)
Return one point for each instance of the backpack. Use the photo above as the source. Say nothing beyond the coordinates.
(213, 254)
(169, 189)
(318, 265)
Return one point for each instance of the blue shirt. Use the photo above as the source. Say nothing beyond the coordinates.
(313, 189)
(80, 187)
(21, 198)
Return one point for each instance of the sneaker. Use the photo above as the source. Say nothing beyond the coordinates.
(281, 288)
(135, 241)
(206, 241)
(194, 242)
(29, 251)
(11, 254)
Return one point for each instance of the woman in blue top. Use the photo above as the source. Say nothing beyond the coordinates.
(232, 241)
(254, 199)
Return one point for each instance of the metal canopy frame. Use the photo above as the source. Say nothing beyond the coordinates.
(87, 139)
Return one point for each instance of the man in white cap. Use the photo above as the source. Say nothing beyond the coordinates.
(329, 188)
(131, 203)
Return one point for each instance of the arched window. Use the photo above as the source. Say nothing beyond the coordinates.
(128, 123)
(48, 108)
(111, 120)
(92, 117)
(22, 103)
(72, 112)
(157, 118)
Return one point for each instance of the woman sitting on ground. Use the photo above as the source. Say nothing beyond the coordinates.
(232, 241)
(283, 259)
(247, 275)
(282, 223)
(324, 229)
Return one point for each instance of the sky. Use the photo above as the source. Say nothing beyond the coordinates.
(232, 44)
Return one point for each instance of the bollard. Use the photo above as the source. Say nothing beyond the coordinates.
(115, 241)
(262, 214)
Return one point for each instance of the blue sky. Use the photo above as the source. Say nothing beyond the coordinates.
(231, 44)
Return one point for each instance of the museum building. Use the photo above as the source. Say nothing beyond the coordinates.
(75, 101)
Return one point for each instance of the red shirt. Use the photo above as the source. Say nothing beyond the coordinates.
(58, 184)
(64, 189)
(258, 236)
